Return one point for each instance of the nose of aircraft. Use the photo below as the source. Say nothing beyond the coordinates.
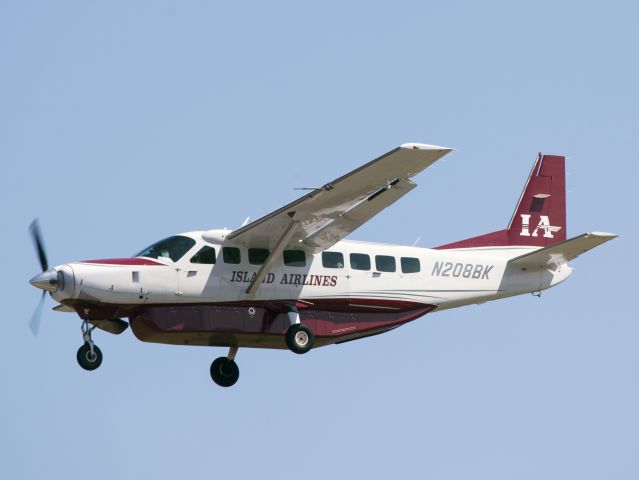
(47, 280)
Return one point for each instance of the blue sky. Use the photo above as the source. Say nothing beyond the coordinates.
(122, 122)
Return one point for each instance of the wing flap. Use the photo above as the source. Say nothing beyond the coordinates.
(350, 220)
(563, 252)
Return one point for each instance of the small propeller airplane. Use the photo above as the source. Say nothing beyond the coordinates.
(291, 280)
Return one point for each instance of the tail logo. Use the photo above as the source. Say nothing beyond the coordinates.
(544, 224)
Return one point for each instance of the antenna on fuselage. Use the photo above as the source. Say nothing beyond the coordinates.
(245, 222)
(418, 239)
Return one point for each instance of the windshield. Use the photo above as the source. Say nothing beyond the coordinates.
(172, 248)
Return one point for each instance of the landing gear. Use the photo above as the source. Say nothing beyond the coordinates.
(224, 370)
(299, 338)
(89, 360)
(89, 355)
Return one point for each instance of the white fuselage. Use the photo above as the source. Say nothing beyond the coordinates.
(445, 278)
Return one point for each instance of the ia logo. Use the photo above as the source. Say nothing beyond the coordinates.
(544, 224)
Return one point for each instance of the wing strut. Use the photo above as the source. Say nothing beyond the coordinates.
(275, 253)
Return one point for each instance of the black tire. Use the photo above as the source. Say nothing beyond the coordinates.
(87, 360)
(224, 372)
(299, 338)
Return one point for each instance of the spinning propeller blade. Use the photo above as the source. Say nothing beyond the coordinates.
(36, 236)
(34, 323)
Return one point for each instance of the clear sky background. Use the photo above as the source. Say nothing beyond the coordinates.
(124, 122)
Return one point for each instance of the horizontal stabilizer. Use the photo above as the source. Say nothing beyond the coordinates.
(563, 252)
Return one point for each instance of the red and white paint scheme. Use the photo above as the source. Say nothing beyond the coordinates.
(292, 280)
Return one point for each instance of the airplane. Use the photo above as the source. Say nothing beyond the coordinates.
(292, 280)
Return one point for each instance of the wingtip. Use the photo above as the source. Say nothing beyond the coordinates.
(609, 236)
(425, 146)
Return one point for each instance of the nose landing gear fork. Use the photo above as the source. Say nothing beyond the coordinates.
(89, 355)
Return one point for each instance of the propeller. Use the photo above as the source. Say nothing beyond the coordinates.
(34, 323)
(36, 236)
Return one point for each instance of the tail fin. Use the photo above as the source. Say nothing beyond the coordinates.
(540, 216)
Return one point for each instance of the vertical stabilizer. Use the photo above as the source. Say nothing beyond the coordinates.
(540, 216)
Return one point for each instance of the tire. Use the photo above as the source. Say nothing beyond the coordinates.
(88, 361)
(299, 338)
(224, 372)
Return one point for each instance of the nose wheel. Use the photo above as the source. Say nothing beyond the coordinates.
(89, 355)
(89, 358)
(224, 370)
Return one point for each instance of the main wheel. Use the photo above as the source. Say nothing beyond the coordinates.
(224, 372)
(88, 360)
(299, 338)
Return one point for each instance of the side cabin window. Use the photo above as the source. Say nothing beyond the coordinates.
(231, 255)
(257, 256)
(360, 261)
(410, 265)
(332, 260)
(205, 255)
(294, 258)
(385, 263)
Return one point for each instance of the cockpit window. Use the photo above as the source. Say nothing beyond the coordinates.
(172, 248)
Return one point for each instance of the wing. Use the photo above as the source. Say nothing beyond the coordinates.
(327, 214)
(563, 252)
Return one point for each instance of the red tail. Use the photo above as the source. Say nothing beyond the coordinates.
(540, 217)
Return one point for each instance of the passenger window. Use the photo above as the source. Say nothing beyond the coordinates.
(294, 258)
(360, 261)
(205, 255)
(385, 263)
(410, 265)
(257, 256)
(231, 255)
(332, 260)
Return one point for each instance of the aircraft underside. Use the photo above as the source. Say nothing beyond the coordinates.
(259, 324)
(264, 325)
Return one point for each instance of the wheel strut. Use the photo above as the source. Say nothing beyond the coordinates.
(87, 329)
(232, 353)
(89, 355)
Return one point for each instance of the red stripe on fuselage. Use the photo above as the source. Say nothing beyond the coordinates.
(124, 261)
